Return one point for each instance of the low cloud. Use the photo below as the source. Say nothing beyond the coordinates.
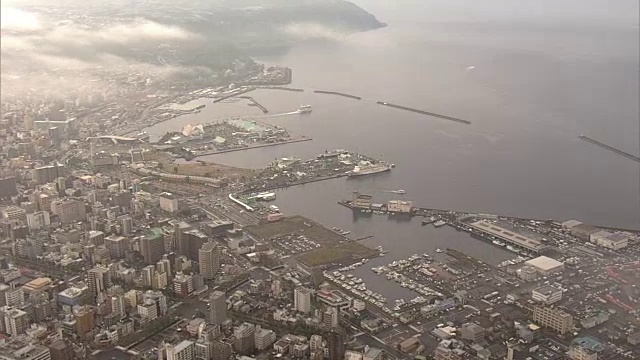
(42, 56)
(311, 31)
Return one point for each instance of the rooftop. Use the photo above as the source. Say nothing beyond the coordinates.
(544, 263)
(546, 290)
(589, 343)
(507, 235)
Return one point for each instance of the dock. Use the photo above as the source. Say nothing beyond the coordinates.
(610, 148)
(338, 94)
(424, 112)
(233, 94)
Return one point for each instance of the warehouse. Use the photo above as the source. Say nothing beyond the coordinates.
(545, 265)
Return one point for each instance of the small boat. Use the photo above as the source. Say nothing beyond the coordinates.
(305, 109)
(439, 251)
(400, 191)
(439, 223)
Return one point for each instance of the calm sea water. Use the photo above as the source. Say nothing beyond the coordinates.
(530, 75)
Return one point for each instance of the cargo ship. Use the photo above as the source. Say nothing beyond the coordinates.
(368, 169)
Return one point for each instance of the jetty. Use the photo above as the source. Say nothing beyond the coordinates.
(233, 94)
(610, 148)
(254, 102)
(338, 94)
(424, 112)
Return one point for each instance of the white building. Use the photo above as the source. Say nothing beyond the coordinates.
(302, 299)
(263, 338)
(38, 220)
(613, 241)
(168, 202)
(545, 265)
(185, 350)
(359, 305)
(547, 294)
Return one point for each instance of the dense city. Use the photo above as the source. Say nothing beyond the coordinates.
(115, 248)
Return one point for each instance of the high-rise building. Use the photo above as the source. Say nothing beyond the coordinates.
(553, 318)
(190, 241)
(330, 318)
(38, 220)
(117, 246)
(209, 260)
(336, 346)
(152, 246)
(223, 349)
(168, 202)
(147, 275)
(217, 308)
(46, 174)
(99, 280)
(263, 338)
(183, 284)
(126, 225)
(244, 335)
(158, 298)
(69, 210)
(315, 343)
(118, 305)
(15, 321)
(85, 320)
(8, 187)
(302, 299)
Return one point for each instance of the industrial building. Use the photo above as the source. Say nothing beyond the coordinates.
(545, 265)
(518, 241)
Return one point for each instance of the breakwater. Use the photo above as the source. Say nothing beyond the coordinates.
(610, 148)
(338, 94)
(282, 88)
(424, 112)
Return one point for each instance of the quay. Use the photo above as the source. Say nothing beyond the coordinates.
(479, 229)
(233, 94)
(338, 94)
(213, 151)
(610, 148)
(424, 112)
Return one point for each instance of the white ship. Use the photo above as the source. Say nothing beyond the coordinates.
(305, 109)
(368, 170)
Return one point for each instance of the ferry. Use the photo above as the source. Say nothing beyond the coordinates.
(368, 170)
(305, 109)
